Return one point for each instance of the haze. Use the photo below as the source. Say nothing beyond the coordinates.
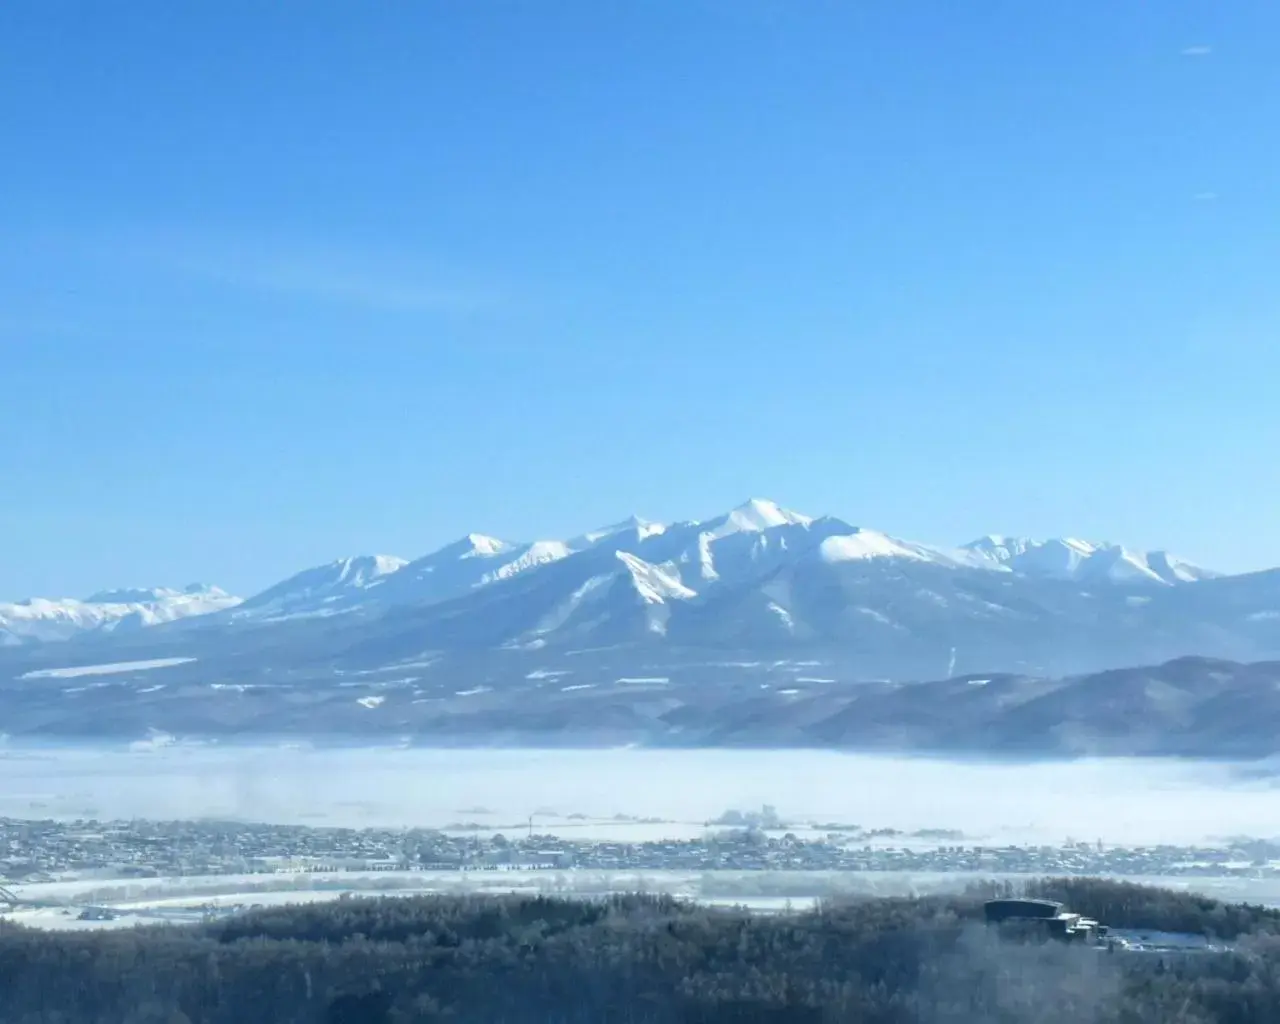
(1120, 801)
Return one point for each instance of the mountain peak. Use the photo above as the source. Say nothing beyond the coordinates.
(322, 589)
(1077, 559)
(39, 619)
(633, 524)
(484, 545)
(756, 514)
(150, 595)
(990, 542)
(471, 545)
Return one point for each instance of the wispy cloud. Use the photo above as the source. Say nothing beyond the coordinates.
(351, 282)
(319, 272)
(1205, 197)
(1197, 51)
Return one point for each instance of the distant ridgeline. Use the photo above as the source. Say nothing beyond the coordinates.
(650, 960)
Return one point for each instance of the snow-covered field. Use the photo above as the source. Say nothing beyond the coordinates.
(190, 900)
(641, 794)
(109, 669)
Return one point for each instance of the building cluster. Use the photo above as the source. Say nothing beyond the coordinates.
(1043, 918)
(42, 850)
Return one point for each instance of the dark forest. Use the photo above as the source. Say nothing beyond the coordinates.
(641, 959)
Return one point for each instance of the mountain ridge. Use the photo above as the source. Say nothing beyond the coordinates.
(45, 620)
(757, 627)
(757, 577)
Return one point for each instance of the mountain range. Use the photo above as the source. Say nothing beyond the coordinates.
(684, 561)
(754, 604)
(38, 620)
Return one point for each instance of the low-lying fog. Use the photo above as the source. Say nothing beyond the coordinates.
(1117, 801)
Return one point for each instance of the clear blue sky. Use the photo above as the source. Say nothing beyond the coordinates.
(281, 282)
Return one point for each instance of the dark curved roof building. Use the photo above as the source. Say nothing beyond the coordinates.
(1043, 917)
(1006, 909)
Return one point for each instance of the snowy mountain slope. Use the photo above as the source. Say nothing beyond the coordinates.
(322, 590)
(630, 600)
(1073, 559)
(757, 574)
(745, 541)
(758, 626)
(754, 516)
(860, 544)
(899, 609)
(743, 544)
(752, 539)
(631, 525)
(635, 581)
(43, 620)
(597, 596)
(474, 561)
(375, 583)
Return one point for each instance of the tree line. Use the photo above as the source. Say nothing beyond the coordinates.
(646, 960)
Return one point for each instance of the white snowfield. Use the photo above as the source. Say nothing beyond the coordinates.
(654, 563)
(110, 669)
(57, 906)
(193, 899)
(871, 544)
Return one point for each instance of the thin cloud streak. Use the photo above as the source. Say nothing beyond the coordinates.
(1197, 51)
(304, 276)
(289, 269)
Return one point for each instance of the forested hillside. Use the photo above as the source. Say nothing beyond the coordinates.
(642, 959)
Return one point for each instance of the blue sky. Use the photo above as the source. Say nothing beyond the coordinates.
(290, 281)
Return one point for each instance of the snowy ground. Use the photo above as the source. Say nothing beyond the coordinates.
(109, 669)
(190, 900)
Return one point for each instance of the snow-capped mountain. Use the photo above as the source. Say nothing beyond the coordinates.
(474, 561)
(631, 525)
(746, 540)
(761, 576)
(42, 619)
(383, 581)
(322, 590)
(754, 516)
(613, 581)
(759, 573)
(614, 598)
(753, 538)
(759, 625)
(861, 544)
(1072, 559)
